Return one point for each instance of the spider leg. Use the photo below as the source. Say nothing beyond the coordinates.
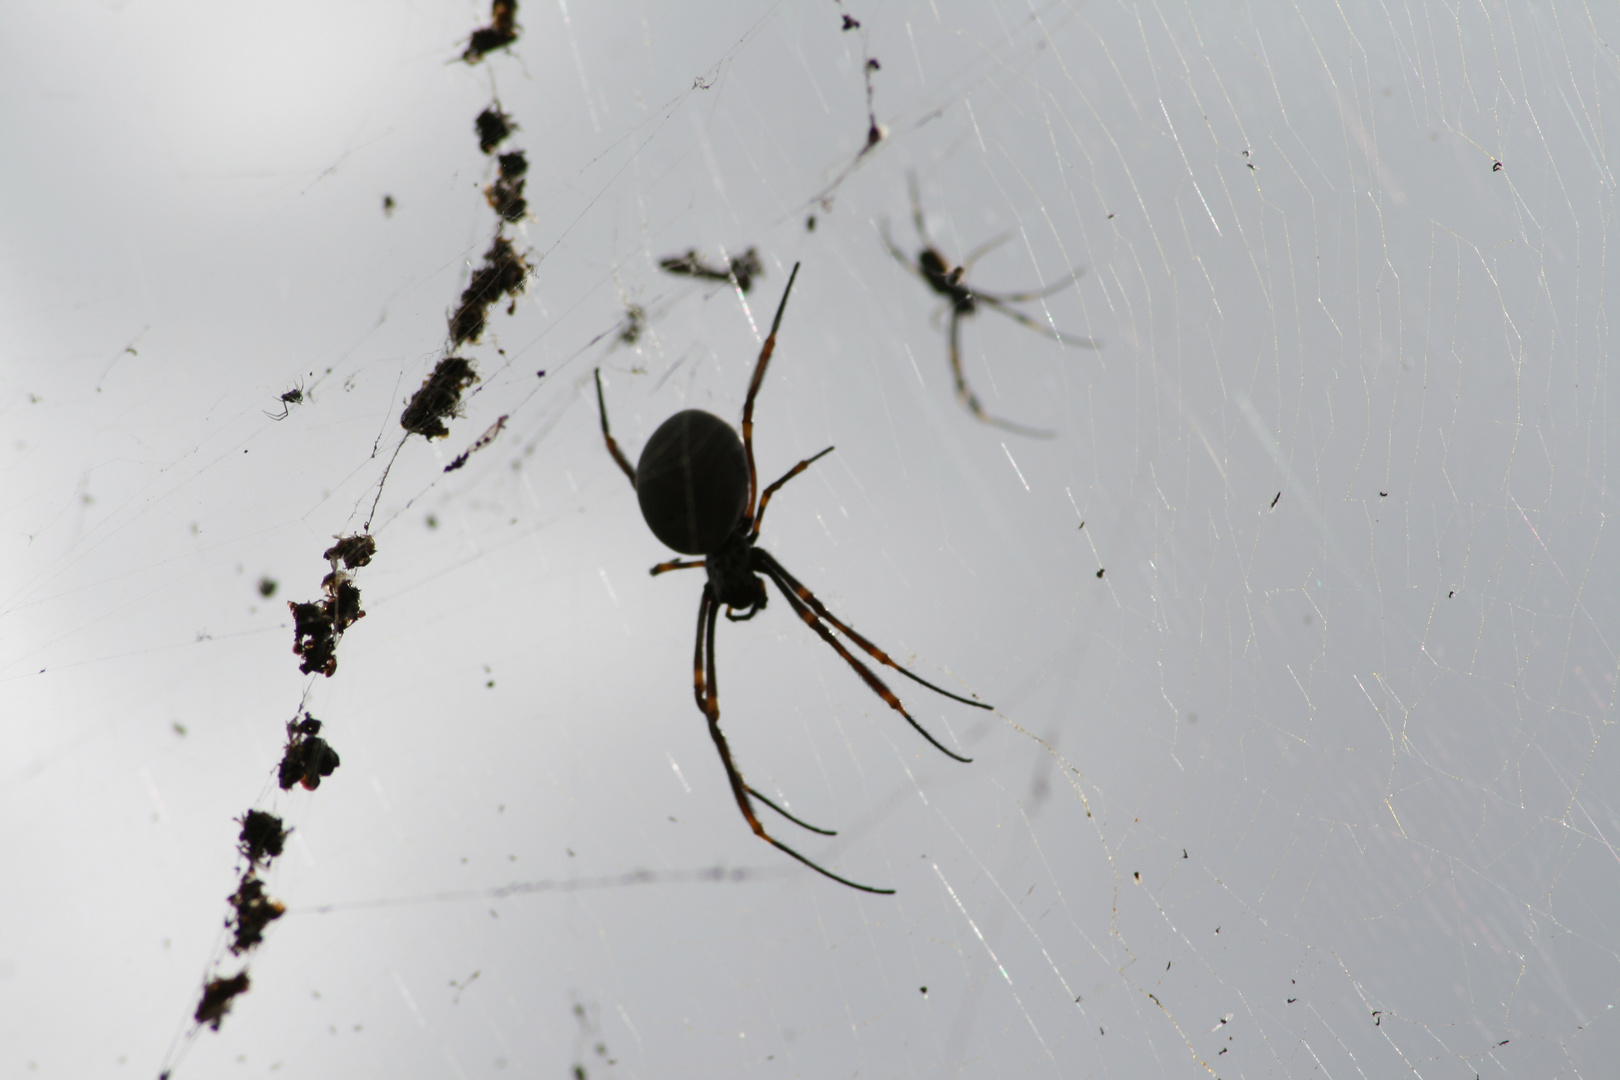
(773, 570)
(810, 601)
(759, 831)
(676, 564)
(899, 256)
(765, 352)
(968, 398)
(765, 499)
(999, 303)
(916, 208)
(613, 447)
(986, 248)
(704, 694)
(709, 704)
(790, 817)
(1039, 294)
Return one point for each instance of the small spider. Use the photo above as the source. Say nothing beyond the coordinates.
(696, 484)
(295, 396)
(946, 280)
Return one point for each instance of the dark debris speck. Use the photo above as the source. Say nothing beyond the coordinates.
(493, 127)
(313, 638)
(253, 912)
(308, 757)
(216, 999)
(501, 32)
(318, 625)
(505, 195)
(262, 837)
(438, 397)
(355, 551)
(504, 272)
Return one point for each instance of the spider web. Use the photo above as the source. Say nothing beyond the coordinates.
(1301, 632)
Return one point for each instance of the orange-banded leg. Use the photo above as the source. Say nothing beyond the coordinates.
(706, 688)
(765, 498)
(765, 352)
(773, 570)
(870, 649)
(677, 564)
(705, 697)
(613, 447)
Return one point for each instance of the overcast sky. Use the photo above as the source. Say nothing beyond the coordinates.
(1300, 628)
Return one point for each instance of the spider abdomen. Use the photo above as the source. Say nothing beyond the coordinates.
(692, 482)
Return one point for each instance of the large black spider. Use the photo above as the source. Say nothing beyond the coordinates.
(946, 280)
(696, 484)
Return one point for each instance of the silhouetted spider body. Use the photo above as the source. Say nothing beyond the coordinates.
(696, 484)
(946, 280)
(692, 482)
(295, 396)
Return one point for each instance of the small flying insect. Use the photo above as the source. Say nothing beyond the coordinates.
(696, 484)
(946, 280)
(743, 269)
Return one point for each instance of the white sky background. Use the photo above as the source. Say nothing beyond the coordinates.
(1379, 726)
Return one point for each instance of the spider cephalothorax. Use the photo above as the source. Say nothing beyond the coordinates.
(696, 484)
(946, 280)
(734, 577)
